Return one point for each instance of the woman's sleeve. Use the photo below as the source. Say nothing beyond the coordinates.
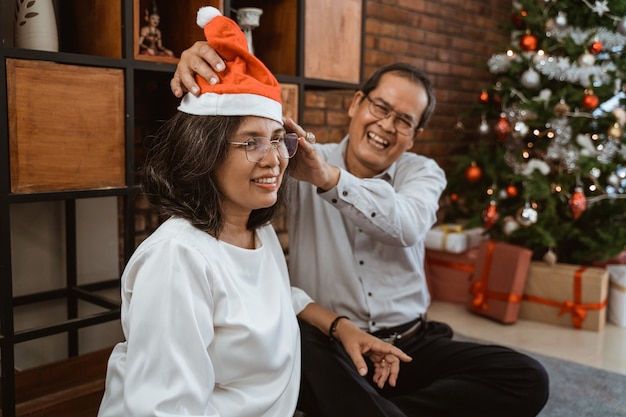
(169, 327)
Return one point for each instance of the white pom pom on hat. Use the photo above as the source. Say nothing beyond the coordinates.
(246, 87)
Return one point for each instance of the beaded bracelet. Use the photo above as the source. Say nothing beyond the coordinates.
(333, 326)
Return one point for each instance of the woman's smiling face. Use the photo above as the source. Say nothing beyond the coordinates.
(245, 185)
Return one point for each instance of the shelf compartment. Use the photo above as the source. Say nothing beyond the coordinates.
(90, 27)
(63, 138)
(275, 40)
(177, 25)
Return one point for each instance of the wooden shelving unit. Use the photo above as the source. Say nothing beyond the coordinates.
(98, 46)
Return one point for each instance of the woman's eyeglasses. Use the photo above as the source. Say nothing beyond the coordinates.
(257, 148)
(381, 111)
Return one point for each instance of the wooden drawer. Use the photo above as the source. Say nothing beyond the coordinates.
(66, 126)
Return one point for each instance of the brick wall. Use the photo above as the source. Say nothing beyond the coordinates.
(450, 39)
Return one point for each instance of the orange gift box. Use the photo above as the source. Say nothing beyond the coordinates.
(566, 295)
(498, 281)
(448, 274)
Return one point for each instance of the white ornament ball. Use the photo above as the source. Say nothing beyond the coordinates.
(530, 79)
(483, 128)
(550, 257)
(587, 60)
(509, 225)
(561, 19)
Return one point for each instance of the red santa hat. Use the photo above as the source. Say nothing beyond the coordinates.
(247, 87)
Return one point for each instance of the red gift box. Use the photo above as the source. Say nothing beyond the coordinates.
(448, 274)
(498, 281)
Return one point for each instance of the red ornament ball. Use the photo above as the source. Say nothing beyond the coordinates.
(503, 128)
(590, 101)
(511, 191)
(490, 215)
(473, 173)
(454, 197)
(528, 42)
(483, 97)
(577, 203)
(596, 47)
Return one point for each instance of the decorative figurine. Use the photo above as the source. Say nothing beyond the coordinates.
(150, 42)
(248, 19)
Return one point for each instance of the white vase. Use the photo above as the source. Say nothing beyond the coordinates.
(35, 25)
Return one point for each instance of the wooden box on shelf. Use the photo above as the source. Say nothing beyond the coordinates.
(332, 40)
(63, 138)
(177, 25)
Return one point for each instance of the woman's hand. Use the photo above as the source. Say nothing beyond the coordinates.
(199, 59)
(385, 357)
(309, 165)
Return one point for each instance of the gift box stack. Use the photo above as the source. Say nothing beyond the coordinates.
(451, 252)
(566, 295)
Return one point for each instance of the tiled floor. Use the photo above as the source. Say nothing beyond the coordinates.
(605, 349)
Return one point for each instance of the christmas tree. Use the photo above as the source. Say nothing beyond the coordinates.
(547, 168)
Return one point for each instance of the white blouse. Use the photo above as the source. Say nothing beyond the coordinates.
(210, 329)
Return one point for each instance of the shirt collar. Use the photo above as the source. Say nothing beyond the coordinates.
(337, 158)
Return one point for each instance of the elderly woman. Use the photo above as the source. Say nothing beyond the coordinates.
(208, 313)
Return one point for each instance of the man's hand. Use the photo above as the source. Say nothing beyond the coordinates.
(385, 357)
(309, 165)
(199, 59)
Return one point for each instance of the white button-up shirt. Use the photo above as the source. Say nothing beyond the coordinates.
(358, 249)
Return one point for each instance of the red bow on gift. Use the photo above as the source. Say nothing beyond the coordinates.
(577, 310)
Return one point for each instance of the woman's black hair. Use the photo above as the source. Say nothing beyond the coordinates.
(179, 172)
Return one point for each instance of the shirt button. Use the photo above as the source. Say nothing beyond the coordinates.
(345, 193)
(369, 294)
(361, 262)
(374, 214)
(334, 200)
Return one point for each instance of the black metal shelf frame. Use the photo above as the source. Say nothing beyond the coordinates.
(74, 293)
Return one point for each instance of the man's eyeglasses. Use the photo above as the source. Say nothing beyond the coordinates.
(401, 122)
(257, 148)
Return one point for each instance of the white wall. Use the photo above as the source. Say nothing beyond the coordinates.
(38, 264)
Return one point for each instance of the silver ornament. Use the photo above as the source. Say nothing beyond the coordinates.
(520, 130)
(527, 215)
(509, 225)
(530, 78)
(561, 19)
(550, 257)
(586, 60)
